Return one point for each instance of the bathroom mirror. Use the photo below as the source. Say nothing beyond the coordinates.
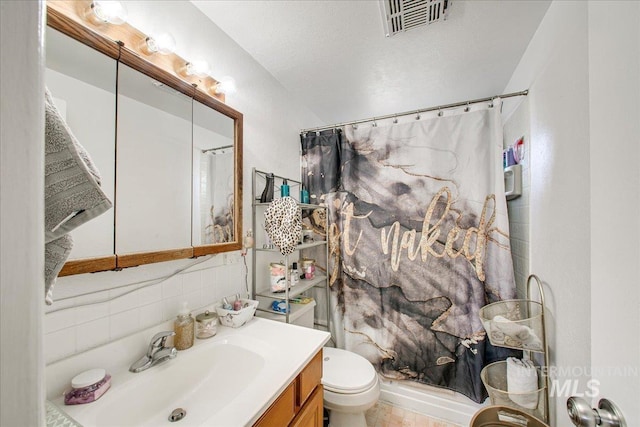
(82, 82)
(153, 169)
(213, 177)
(155, 182)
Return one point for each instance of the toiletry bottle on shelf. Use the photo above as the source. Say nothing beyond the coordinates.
(294, 274)
(284, 189)
(184, 329)
(309, 268)
(237, 304)
(267, 193)
(304, 196)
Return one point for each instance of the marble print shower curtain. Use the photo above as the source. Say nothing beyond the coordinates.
(216, 196)
(418, 236)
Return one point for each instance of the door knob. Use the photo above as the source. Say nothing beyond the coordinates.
(583, 415)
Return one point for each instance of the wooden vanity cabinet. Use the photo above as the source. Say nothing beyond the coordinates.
(300, 404)
(311, 413)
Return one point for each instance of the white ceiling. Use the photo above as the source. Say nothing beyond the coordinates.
(333, 55)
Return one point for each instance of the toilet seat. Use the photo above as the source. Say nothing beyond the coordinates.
(345, 372)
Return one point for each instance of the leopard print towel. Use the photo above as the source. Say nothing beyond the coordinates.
(283, 224)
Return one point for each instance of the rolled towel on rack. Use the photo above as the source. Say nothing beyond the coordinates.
(522, 382)
(519, 334)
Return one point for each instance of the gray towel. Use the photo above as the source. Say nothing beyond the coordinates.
(72, 191)
(55, 255)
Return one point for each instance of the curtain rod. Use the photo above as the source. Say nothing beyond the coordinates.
(424, 110)
(217, 148)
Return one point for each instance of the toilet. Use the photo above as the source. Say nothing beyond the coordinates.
(350, 387)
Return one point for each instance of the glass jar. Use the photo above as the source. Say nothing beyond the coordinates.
(309, 268)
(206, 325)
(184, 329)
(278, 279)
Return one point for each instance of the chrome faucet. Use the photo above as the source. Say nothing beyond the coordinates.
(156, 353)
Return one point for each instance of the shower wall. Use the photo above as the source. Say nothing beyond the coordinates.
(516, 126)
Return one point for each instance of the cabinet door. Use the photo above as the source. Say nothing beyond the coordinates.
(281, 412)
(213, 177)
(308, 379)
(153, 191)
(311, 413)
(82, 82)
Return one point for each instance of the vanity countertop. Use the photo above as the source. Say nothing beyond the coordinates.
(200, 380)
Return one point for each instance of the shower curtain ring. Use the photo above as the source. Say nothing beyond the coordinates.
(440, 113)
(467, 108)
(354, 126)
(395, 120)
(375, 125)
(417, 115)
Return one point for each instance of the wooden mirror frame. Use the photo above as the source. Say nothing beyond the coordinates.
(123, 43)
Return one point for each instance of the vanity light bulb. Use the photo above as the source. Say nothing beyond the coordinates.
(108, 11)
(197, 68)
(162, 43)
(226, 85)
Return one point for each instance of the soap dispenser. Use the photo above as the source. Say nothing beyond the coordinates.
(184, 329)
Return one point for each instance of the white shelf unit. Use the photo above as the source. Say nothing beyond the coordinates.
(263, 255)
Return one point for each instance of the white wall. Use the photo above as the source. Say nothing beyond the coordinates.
(555, 69)
(21, 213)
(580, 212)
(614, 103)
(272, 120)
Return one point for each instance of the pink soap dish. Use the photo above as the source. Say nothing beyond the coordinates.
(87, 387)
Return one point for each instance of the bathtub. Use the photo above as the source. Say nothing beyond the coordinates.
(434, 402)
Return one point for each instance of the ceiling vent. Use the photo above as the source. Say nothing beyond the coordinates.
(399, 16)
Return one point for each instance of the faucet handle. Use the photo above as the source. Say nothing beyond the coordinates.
(158, 340)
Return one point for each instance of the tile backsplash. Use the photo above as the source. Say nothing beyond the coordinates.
(90, 310)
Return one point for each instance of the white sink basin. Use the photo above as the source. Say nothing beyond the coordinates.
(227, 380)
(202, 383)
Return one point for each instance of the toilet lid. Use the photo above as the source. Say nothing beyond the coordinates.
(346, 372)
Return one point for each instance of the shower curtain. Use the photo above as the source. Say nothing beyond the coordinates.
(216, 196)
(418, 242)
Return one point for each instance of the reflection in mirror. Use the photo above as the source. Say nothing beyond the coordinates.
(213, 176)
(82, 82)
(153, 211)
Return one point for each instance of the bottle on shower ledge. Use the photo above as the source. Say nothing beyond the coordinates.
(284, 189)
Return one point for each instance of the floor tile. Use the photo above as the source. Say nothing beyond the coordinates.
(383, 414)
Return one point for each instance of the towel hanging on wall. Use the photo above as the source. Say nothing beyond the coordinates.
(72, 191)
